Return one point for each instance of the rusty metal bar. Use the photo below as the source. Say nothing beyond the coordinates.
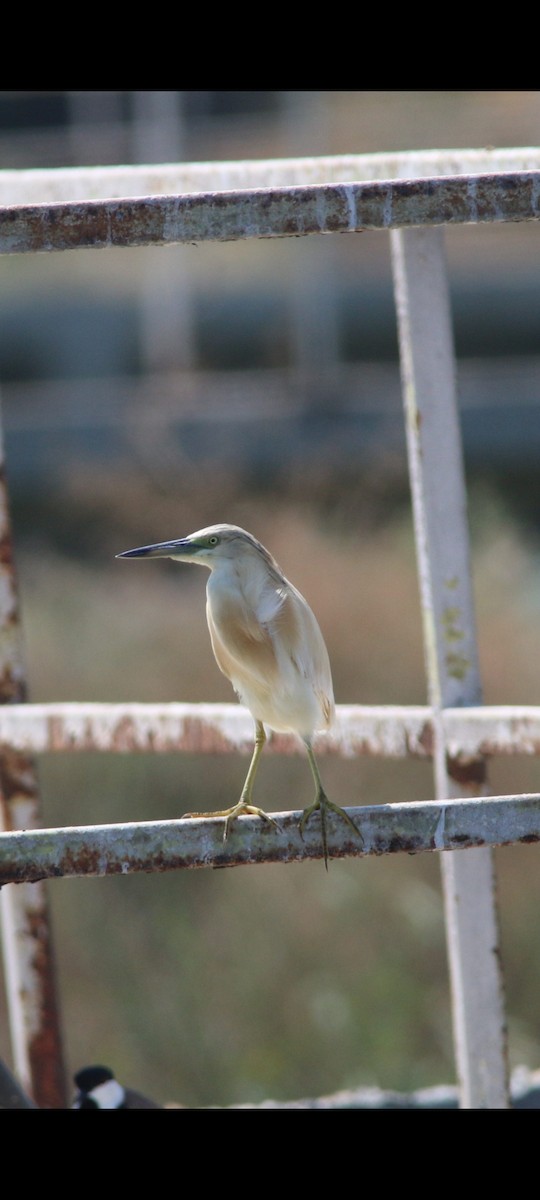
(383, 731)
(439, 503)
(26, 934)
(41, 185)
(411, 828)
(270, 212)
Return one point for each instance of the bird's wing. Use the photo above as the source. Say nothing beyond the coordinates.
(271, 645)
(241, 643)
(297, 633)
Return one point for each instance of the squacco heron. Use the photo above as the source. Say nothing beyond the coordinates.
(267, 642)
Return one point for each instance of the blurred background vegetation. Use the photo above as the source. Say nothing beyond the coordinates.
(147, 393)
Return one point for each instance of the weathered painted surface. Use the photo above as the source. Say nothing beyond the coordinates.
(26, 933)
(41, 185)
(442, 545)
(383, 731)
(297, 211)
(437, 825)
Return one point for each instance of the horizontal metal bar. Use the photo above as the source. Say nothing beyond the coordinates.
(153, 846)
(199, 728)
(524, 1093)
(385, 731)
(41, 185)
(270, 212)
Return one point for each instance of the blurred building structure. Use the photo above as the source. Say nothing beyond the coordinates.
(288, 354)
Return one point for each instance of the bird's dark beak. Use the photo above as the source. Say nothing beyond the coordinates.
(182, 548)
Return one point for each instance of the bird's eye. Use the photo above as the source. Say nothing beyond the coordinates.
(213, 540)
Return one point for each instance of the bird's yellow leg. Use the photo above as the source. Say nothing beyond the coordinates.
(244, 804)
(322, 802)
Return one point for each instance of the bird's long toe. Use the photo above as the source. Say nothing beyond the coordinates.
(323, 804)
(230, 814)
(238, 810)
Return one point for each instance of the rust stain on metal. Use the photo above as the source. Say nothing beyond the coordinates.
(285, 743)
(45, 1060)
(397, 844)
(426, 739)
(83, 861)
(467, 771)
(17, 776)
(201, 738)
(12, 686)
(92, 224)
(6, 548)
(30, 982)
(285, 211)
(56, 733)
(17, 787)
(465, 839)
(124, 736)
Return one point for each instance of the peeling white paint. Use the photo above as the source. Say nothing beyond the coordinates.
(386, 731)
(62, 184)
(438, 836)
(388, 207)
(320, 208)
(23, 911)
(350, 200)
(472, 198)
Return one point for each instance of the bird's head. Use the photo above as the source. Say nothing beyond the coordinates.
(97, 1088)
(210, 546)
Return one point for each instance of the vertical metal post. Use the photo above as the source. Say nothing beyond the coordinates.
(313, 328)
(26, 935)
(439, 506)
(165, 298)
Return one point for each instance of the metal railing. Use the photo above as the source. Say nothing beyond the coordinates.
(412, 197)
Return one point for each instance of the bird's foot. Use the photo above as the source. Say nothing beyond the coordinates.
(231, 814)
(322, 803)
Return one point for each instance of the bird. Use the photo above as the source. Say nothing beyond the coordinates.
(97, 1088)
(267, 642)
